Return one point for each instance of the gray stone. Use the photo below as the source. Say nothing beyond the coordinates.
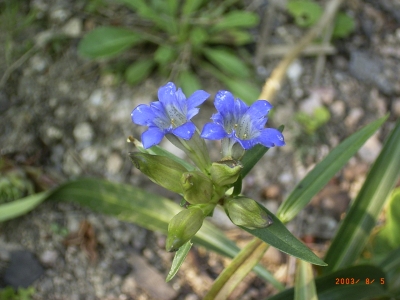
(23, 269)
(73, 28)
(83, 132)
(370, 70)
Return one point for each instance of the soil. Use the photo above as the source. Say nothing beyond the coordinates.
(64, 117)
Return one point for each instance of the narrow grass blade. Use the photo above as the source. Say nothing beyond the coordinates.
(179, 258)
(304, 288)
(324, 171)
(359, 282)
(20, 207)
(355, 229)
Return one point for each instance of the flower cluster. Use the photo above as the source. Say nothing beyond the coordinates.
(234, 121)
(205, 185)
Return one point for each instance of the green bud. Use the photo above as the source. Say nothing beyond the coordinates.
(225, 172)
(197, 187)
(247, 213)
(160, 169)
(183, 227)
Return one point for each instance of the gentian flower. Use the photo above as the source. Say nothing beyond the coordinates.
(235, 122)
(171, 114)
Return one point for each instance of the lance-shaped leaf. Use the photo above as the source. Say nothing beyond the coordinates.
(355, 229)
(278, 236)
(318, 177)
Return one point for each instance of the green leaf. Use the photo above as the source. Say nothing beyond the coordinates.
(388, 237)
(318, 177)
(106, 42)
(20, 207)
(234, 19)
(278, 236)
(152, 12)
(139, 71)
(304, 288)
(189, 82)
(306, 13)
(355, 229)
(164, 55)
(227, 62)
(231, 37)
(339, 285)
(344, 26)
(137, 5)
(172, 7)
(191, 6)
(243, 89)
(179, 258)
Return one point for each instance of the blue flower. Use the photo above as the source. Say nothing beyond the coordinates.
(240, 123)
(171, 114)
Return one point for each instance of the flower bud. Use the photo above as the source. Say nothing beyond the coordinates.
(160, 169)
(183, 227)
(197, 187)
(225, 172)
(247, 213)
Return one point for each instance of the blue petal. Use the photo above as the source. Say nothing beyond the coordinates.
(224, 102)
(240, 109)
(212, 131)
(180, 102)
(196, 99)
(142, 115)
(191, 113)
(185, 131)
(218, 118)
(270, 137)
(151, 137)
(259, 109)
(246, 144)
(166, 94)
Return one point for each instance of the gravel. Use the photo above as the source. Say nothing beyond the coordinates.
(67, 116)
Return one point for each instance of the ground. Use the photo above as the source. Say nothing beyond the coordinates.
(66, 117)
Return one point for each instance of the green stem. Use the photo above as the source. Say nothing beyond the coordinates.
(247, 258)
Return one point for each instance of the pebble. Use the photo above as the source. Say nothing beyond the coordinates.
(73, 28)
(294, 71)
(338, 108)
(114, 163)
(310, 104)
(353, 117)
(49, 258)
(273, 191)
(38, 63)
(83, 132)
(129, 286)
(371, 149)
(89, 154)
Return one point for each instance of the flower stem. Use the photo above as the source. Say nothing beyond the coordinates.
(234, 273)
(195, 149)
